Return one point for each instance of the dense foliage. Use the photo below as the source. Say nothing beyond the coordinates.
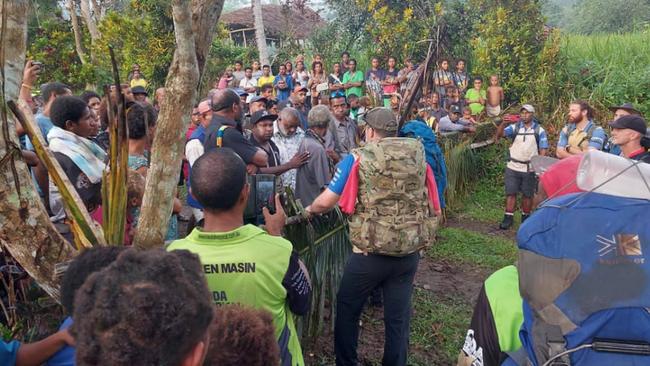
(507, 43)
(139, 31)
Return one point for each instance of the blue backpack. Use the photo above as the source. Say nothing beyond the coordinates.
(434, 155)
(585, 282)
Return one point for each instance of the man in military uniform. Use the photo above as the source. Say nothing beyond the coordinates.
(384, 186)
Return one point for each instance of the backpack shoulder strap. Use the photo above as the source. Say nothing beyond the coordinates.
(220, 134)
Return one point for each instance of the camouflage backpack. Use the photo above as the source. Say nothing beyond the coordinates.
(392, 214)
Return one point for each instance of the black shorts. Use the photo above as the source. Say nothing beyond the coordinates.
(519, 182)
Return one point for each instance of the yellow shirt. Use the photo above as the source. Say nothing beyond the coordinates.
(265, 80)
(138, 82)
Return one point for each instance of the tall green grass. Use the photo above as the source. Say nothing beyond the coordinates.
(607, 69)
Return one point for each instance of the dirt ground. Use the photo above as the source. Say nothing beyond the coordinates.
(442, 279)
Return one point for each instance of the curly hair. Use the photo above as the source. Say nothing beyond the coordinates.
(242, 336)
(146, 308)
(88, 262)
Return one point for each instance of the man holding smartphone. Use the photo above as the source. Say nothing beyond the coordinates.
(243, 263)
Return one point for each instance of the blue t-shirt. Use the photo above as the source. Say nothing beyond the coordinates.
(66, 355)
(341, 175)
(543, 139)
(598, 135)
(45, 124)
(8, 352)
(283, 94)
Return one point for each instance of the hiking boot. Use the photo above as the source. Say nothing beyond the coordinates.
(524, 217)
(507, 222)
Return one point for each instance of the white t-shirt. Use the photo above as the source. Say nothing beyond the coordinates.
(248, 83)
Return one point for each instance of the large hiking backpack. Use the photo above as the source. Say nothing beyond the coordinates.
(392, 215)
(585, 282)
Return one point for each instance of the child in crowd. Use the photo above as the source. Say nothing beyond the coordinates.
(145, 308)
(88, 262)
(467, 115)
(241, 335)
(453, 98)
(364, 105)
(494, 97)
(475, 97)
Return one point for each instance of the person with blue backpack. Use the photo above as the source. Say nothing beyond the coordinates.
(528, 139)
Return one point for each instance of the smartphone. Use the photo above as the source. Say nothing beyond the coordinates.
(265, 192)
(262, 194)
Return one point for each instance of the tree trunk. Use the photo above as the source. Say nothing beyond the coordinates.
(25, 228)
(260, 35)
(204, 13)
(91, 23)
(167, 149)
(72, 8)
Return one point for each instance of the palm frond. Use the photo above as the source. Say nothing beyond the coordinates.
(324, 246)
(114, 189)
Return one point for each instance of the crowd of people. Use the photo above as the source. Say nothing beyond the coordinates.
(229, 292)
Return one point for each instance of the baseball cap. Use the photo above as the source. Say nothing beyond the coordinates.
(241, 92)
(204, 106)
(455, 108)
(298, 87)
(527, 108)
(632, 122)
(259, 98)
(139, 90)
(382, 118)
(263, 115)
(625, 106)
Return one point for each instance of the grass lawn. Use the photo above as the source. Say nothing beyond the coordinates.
(472, 248)
(438, 328)
(440, 321)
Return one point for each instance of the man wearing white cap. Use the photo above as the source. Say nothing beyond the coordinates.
(528, 140)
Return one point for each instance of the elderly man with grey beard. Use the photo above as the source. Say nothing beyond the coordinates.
(288, 136)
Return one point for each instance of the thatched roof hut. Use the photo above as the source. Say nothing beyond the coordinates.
(280, 22)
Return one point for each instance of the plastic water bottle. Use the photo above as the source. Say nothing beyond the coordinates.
(601, 172)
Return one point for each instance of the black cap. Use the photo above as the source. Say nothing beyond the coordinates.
(626, 107)
(259, 98)
(455, 108)
(139, 90)
(632, 122)
(262, 115)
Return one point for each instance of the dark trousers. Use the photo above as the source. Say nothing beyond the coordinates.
(394, 275)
